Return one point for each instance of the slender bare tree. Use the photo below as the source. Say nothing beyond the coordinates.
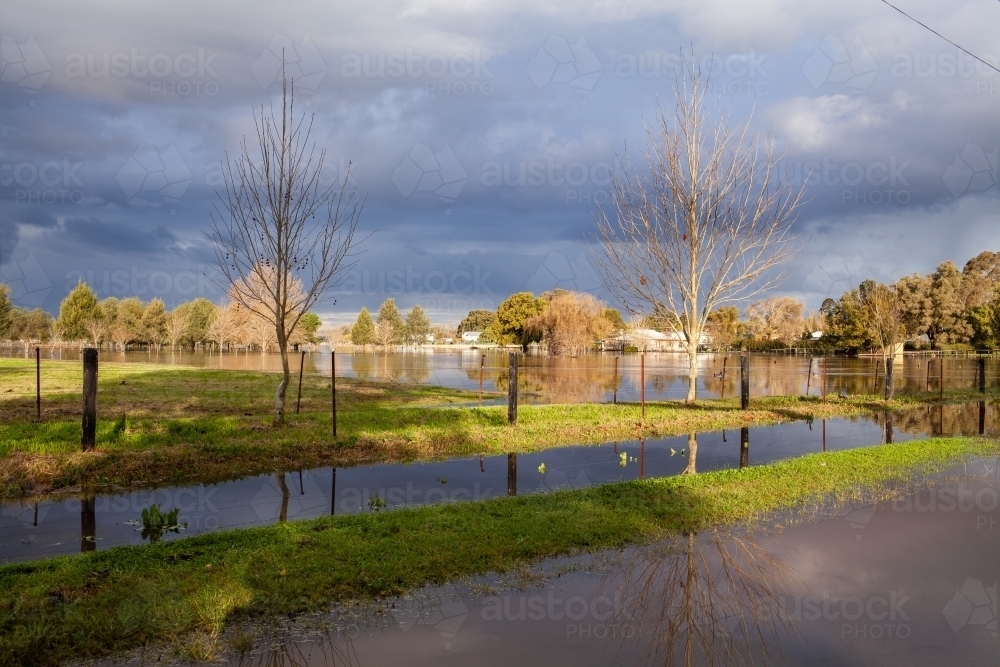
(177, 326)
(96, 328)
(882, 316)
(707, 225)
(276, 222)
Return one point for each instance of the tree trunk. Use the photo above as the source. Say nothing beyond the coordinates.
(692, 467)
(279, 397)
(692, 394)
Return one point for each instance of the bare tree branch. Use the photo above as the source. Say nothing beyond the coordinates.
(707, 225)
(276, 224)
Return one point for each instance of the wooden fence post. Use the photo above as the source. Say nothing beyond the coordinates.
(642, 383)
(89, 440)
(809, 375)
(333, 389)
(512, 474)
(722, 395)
(823, 381)
(981, 362)
(512, 390)
(744, 381)
(941, 377)
(615, 385)
(744, 447)
(38, 384)
(298, 399)
(889, 373)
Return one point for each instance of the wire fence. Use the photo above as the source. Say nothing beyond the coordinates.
(594, 378)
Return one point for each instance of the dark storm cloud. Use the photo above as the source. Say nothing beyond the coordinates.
(483, 136)
(115, 236)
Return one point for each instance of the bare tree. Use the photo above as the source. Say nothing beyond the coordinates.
(386, 333)
(882, 317)
(223, 328)
(96, 328)
(776, 318)
(570, 323)
(708, 225)
(277, 222)
(708, 599)
(177, 326)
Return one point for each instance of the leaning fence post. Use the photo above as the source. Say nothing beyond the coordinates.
(809, 375)
(512, 390)
(744, 381)
(89, 439)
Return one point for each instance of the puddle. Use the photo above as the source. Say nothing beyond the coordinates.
(910, 581)
(36, 530)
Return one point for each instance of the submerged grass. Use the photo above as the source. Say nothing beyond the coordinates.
(169, 592)
(174, 425)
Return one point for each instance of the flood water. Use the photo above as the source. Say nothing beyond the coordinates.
(595, 377)
(909, 581)
(30, 530)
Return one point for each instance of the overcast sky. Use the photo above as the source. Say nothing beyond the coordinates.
(114, 118)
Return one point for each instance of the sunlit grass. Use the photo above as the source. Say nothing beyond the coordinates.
(202, 425)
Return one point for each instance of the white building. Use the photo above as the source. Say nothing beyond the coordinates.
(650, 340)
(471, 336)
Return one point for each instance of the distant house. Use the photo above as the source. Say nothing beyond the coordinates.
(471, 336)
(650, 340)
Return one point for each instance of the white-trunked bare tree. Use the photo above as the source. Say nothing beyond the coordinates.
(277, 224)
(708, 225)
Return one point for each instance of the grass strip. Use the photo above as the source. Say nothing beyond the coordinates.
(191, 425)
(95, 604)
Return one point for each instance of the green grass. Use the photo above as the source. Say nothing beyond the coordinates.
(168, 593)
(187, 425)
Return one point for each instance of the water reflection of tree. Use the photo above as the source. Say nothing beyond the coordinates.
(708, 599)
(282, 649)
(952, 419)
(381, 366)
